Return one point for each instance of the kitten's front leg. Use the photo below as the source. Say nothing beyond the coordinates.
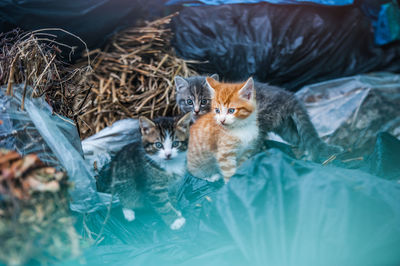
(226, 157)
(169, 210)
(162, 204)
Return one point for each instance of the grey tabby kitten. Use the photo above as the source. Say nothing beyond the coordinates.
(143, 171)
(278, 111)
(193, 95)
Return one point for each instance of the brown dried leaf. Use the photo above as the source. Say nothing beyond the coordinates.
(8, 157)
(29, 161)
(36, 185)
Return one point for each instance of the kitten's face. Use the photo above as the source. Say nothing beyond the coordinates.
(192, 95)
(165, 139)
(232, 103)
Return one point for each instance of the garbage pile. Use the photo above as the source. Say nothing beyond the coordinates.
(276, 209)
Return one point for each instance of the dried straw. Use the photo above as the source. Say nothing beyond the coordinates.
(34, 59)
(132, 76)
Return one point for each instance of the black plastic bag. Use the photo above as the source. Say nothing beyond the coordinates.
(285, 45)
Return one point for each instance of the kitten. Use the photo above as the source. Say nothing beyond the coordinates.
(280, 112)
(143, 171)
(220, 140)
(192, 95)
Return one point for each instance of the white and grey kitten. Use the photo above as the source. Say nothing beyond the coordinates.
(193, 95)
(143, 171)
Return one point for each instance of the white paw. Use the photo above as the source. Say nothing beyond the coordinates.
(178, 223)
(213, 178)
(129, 214)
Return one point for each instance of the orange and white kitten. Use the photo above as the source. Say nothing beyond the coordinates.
(223, 138)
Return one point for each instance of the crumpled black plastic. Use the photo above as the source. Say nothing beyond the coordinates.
(285, 45)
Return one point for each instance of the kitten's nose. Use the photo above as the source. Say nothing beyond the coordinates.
(222, 121)
(168, 155)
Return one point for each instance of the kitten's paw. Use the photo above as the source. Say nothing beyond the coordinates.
(178, 223)
(129, 214)
(213, 178)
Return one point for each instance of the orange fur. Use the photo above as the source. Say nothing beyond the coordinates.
(213, 146)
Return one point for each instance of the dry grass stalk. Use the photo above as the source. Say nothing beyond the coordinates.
(34, 59)
(133, 76)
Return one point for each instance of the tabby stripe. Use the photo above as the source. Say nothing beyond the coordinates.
(167, 209)
(159, 194)
(160, 203)
(226, 156)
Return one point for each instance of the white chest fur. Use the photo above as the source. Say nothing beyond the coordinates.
(246, 133)
(175, 166)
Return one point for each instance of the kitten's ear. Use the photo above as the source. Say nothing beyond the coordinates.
(215, 76)
(180, 83)
(145, 125)
(211, 85)
(184, 122)
(247, 91)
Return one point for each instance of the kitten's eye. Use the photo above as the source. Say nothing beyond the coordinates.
(231, 110)
(189, 101)
(175, 144)
(158, 145)
(203, 102)
(217, 110)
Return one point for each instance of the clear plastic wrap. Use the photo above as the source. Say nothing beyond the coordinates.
(351, 111)
(53, 138)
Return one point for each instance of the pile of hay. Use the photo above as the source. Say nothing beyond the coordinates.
(132, 76)
(35, 223)
(35, 59)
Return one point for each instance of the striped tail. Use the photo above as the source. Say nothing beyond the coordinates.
(309, 139)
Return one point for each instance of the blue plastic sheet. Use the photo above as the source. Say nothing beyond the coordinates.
(296, 2)
(387, 26)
